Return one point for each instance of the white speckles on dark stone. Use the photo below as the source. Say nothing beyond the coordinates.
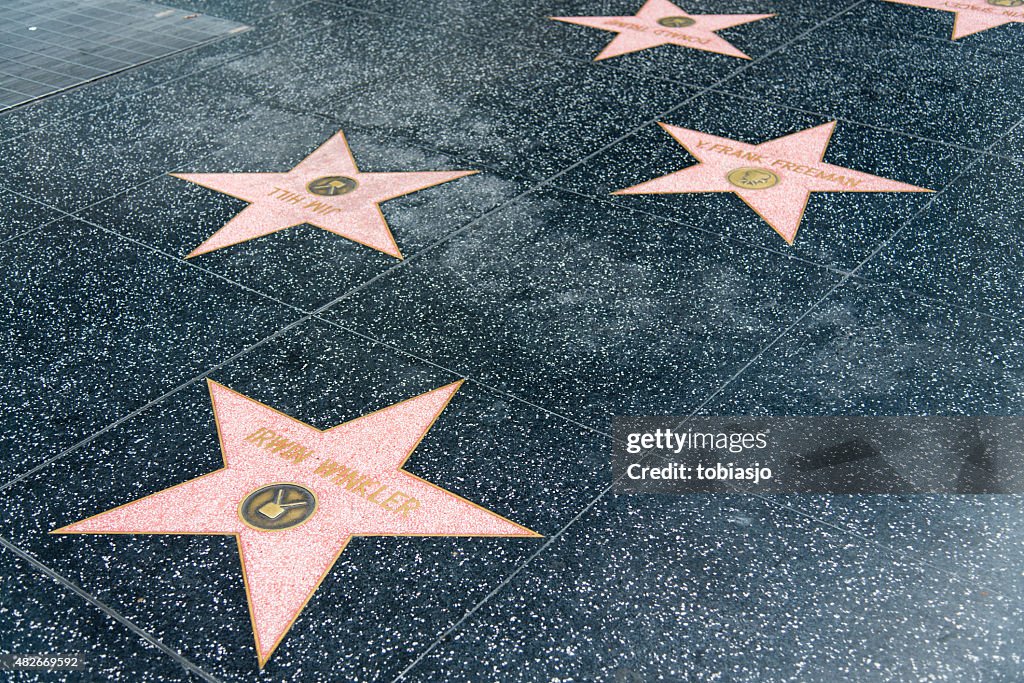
(589, 310)
(94, 327)
(977, 536)
(556, 302)
(19, 215)
(669, 589)
(38, 616)
(937, 89)
(967, 248)
(879, 351)
(340, 52)
(386, 598)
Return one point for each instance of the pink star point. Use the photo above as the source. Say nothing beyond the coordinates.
(326, 190)
(645, 29)
(774, 178)
(355, 483)
(972, 16)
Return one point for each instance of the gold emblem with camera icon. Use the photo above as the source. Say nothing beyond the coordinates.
(277, 507)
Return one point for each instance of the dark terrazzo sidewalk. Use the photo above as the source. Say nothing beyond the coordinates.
(560, 304)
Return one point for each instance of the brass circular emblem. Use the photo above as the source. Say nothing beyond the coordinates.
(1006, 3)
(277, 507)
(332, 185)
(753, 178)
(677, 22)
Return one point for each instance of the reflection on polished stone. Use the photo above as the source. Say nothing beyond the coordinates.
(524, 307)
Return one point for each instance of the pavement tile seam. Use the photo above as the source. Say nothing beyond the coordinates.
(96, 603)
(862, 279)
(75, 214)
(714, 88)
(27, 231)
(548, 542)
(874, 252)
(849, 275)
(954, 43)
(779, 502)
(862, 124)
(43, 464)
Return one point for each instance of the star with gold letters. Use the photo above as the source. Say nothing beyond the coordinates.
(326, 190)
(774, 178)
(659, 22)
(293, 496)
(974, 16)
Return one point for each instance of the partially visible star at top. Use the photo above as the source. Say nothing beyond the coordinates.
(974, 16)
(660, 22)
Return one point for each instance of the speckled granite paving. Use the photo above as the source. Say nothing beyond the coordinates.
(420, 253)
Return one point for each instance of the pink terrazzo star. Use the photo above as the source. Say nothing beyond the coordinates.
(774, 178)
(293, 496)
(326, 190)
(659, 22)
(974, 16)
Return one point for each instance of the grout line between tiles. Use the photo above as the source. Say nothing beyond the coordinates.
(713, 89)
(315, 314)
(881, 245)
(850, 274)
(148, 637)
